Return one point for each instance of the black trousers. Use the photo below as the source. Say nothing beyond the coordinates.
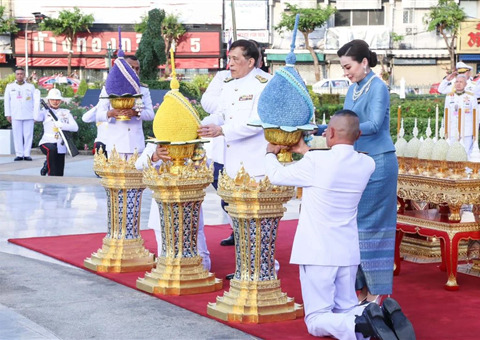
(217, 167)
(98, 145)
(55, 160)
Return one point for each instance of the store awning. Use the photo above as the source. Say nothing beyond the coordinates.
(303, 56)
(420, 53)
(100, 63)
(94, 63)
(469, 57)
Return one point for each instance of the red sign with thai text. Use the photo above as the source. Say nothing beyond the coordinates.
(97, 44)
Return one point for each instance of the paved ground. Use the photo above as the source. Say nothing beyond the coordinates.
(41, 298)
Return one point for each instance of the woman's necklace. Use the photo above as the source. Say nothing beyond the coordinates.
(364, 89)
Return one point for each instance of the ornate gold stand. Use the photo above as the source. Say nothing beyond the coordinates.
(448, 194)
(122, 249)
(179, 192)
(255, 294)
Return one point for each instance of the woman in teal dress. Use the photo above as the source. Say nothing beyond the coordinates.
(369, 98)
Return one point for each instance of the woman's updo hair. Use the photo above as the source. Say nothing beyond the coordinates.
(358, 49)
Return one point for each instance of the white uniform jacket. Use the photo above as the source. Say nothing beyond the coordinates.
(447, 86)
(50, 132)
(238, 105)
(126, 136)
(333, 182)
(467, 103)
(102, 127)
(18, 101)
(211, 103)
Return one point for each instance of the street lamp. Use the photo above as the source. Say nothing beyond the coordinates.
(110, 52)
(38, 18)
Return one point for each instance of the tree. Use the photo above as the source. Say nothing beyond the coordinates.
(310, 18)
(151, 50)
(172, 31)
(446, 18)
(7, 25)
(68, 24)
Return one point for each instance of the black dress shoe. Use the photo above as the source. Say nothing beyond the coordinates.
(27, 158)
(229, 241)
(44, 169)
(372, 324)
(229, 276)
(16, 159)
(397, 320)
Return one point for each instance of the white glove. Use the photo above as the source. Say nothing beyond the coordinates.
(58, 124)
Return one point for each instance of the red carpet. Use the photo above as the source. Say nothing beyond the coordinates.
(435, 313)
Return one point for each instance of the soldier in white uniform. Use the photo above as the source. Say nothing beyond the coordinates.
(326, 244)
(19, 105)
(235, 107)
(52, 145)
(125, 136)
(211, 103)
(446, 86)
(102, 129)
(465, 101)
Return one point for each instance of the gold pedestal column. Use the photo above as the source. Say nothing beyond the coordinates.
(179, 192)
(255, 295)
(122, 249)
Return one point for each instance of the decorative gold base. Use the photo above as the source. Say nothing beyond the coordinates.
(422, 249)
(120, 256)
(476, 265)
(255, 302)
(179, 277)
(280, 137)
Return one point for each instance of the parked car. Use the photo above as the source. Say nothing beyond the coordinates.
(333, 86)
(434, 89)
(49, 82)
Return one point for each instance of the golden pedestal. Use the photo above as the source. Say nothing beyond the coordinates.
(179, 192)
(255, 294)
(280, 137)
(122, 249)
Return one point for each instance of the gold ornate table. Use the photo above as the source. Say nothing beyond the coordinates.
(444, 223)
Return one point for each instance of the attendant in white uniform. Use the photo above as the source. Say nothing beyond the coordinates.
(212, 104)
(232, 100)
(326, 244)
(446, 86)
(52, 145)
(465, 102)
(125, 136)
(19, 106)
(102, 129)
(156, 156)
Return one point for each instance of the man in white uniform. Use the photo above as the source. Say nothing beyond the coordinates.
(465, 103)
(125, 136)
(211, 103)
(326, 242)
(446, 86)
(18, 101)
(235, 107)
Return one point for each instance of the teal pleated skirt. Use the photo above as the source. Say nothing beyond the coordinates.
(377, 220)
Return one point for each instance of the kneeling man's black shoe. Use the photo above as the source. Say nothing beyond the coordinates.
(372, 324)
(397, 320)
(44, 169)
(16, 159)
(229, 241)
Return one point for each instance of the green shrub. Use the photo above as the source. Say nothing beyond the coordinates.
(82, 88)
(4, 124)
(201, 81)
(189, 90)
(5, 81)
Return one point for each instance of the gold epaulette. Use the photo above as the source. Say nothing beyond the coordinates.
(227, 80)
(469, 93)
(144, 85)
(261, 79)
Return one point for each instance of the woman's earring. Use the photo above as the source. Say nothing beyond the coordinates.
(365, 69)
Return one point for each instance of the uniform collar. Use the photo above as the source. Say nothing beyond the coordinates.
(342, 147)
